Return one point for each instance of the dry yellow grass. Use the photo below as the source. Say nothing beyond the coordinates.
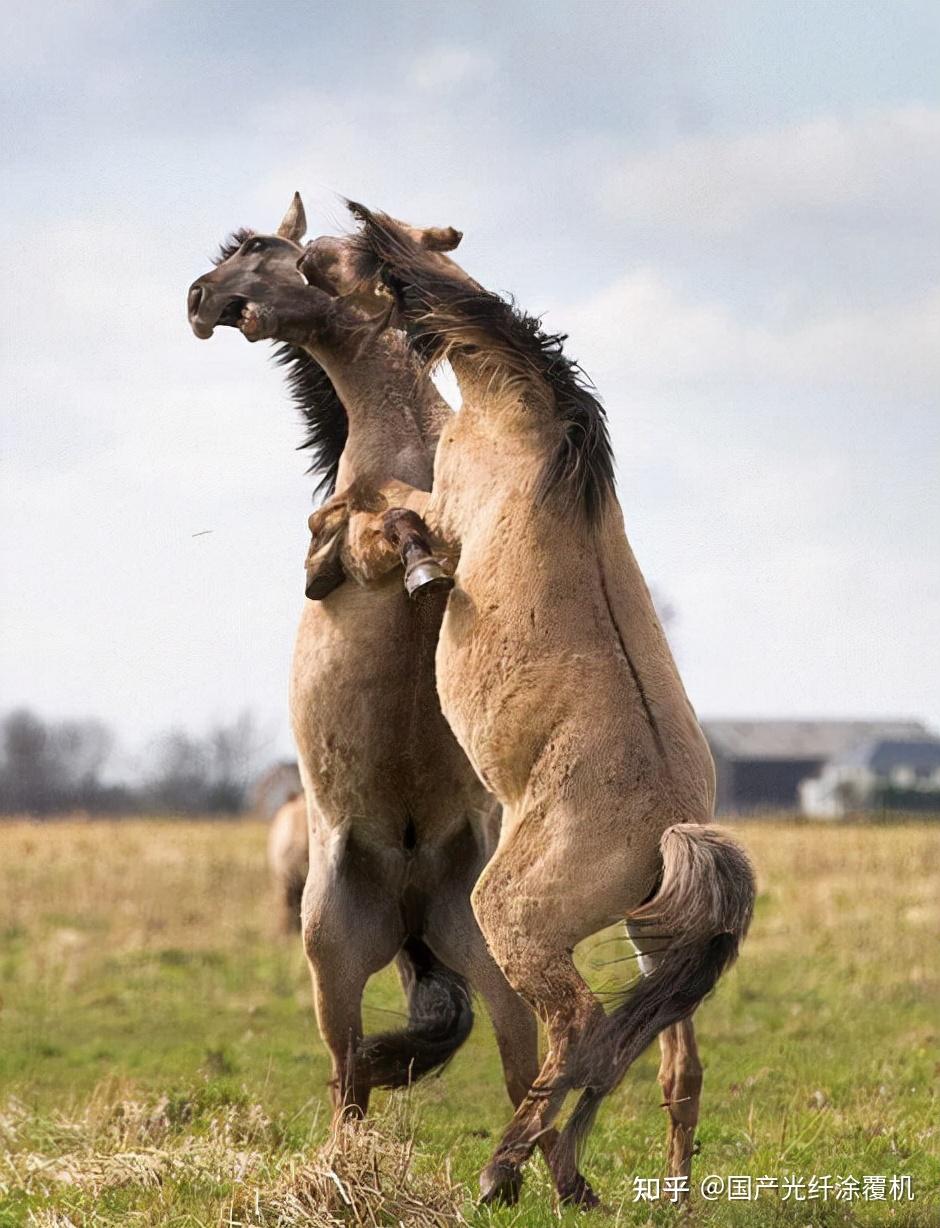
(158, 1062)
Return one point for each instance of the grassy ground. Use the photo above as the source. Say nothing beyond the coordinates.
(159, 1064)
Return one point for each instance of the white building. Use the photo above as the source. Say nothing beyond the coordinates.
(877, 774)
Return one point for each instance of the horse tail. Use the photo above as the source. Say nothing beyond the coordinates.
(440, 1016)
(692, 928)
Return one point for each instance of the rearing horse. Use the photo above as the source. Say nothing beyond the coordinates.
(400, 826)
(555, 676)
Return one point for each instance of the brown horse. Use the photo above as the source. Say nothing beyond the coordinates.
(400, 826)
(555, 675)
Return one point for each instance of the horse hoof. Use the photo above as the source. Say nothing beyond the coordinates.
(579, 1195)
(500, 1185)
(321, 581)
(428, 576)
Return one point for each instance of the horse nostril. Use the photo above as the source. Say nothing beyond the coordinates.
(195, 298)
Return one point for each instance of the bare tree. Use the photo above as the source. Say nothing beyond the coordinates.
(56, 766)
(178, 778)
(52, 766)
(209, 775)
(233, 754)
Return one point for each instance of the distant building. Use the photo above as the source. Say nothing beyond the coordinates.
(878, 774)
(276, 786)
(762, 764)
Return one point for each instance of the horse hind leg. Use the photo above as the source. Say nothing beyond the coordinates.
(521, 927)
(350, 931)
(453, 933)
(680, 1076)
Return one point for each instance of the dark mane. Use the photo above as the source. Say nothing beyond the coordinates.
(447, 313)
(228, 247)
(312, 391)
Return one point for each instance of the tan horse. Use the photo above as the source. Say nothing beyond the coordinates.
(555, 675)
(400, 826)
(287, 860)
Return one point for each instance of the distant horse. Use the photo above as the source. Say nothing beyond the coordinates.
(555, 675)
(400, 825)
(287, 860)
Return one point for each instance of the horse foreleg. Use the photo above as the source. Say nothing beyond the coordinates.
(324, 562)
(365, 534)
(407, 533)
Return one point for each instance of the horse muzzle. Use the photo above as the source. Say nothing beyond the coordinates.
(207, 309)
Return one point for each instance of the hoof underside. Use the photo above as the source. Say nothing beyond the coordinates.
(426, 577)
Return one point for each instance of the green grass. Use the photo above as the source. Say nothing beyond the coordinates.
(159, 1062)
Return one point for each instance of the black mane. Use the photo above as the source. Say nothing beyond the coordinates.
(228, 247)
(312, 391)
(449, 313)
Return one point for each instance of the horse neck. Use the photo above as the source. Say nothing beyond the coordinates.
(508, 420)
(395, 413)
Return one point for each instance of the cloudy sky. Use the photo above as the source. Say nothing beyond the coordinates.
(731, 207)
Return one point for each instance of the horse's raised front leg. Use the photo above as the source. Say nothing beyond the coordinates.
(324, 562)
(407, 533)
(365, 534)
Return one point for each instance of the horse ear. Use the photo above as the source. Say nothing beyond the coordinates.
(294, 225)
(440, 238)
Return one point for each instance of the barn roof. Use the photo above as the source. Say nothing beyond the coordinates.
(882, 755)
(810, 740)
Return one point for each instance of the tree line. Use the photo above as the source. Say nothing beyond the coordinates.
(55, 767)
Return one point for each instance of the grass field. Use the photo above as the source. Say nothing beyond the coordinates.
(159, 1063)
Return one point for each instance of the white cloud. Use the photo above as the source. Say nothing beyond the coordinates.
(641, 328)
(447, 69)
(778, 480)
(882, 165)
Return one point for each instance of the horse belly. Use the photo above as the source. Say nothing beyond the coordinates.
(374, 745)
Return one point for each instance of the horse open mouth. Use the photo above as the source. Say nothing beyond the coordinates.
(231, 314)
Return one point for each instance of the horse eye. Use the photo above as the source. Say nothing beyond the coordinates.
(255, 245)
